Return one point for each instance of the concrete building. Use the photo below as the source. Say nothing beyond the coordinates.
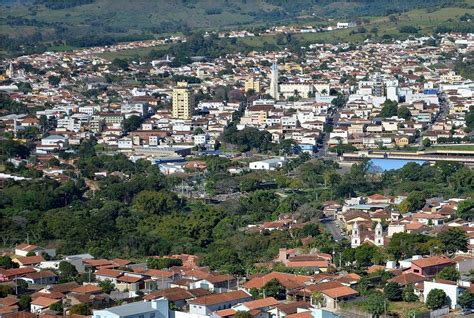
(183, 101)
(269, 164)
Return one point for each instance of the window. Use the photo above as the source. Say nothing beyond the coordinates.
(141, 316)
(152, 315)
(416, 270)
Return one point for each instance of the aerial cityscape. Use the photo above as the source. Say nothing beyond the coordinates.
(236, 158)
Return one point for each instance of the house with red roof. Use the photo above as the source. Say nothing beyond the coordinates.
(430, 266)
(206, 305)
(429, 218)
(295, 259)
(288, 281)
(259, 304)
(378, 198)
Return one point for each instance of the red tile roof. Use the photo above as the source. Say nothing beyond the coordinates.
(44, 301)
(129, 279)
(220, 298)
(287, 280)
(261, 303)
(108, 272)
(226, 312)
(433, 261)
(30, 260)
(87, 289)
(407, 278)
(337, 292)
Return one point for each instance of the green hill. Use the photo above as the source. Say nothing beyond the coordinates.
(30, 25)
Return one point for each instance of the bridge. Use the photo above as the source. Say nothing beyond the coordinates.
(462, 156)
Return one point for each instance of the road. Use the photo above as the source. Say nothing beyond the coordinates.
(334, 229)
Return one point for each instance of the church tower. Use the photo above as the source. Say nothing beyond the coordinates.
(378, 237)
(355, 237)
(10, 71)
(274, 81)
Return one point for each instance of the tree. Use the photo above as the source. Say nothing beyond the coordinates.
(408, 294)
(393, 291)
(54, 80)
(389, 109)
(449, 273)
(466, 299)
(67, 272)
(120, 63)
(436, 299)
(414, 201)
(80, 309)
(56, 307)
(404, 112)
(21, 286)
(426, 142)
(454, 240)
(5, 291)
(317, 299)
(274, 289)
(242, 314)
(409, 29)
(107, 286)
(24, 302)
(466, 209)
(132, 123)
(149, 203)
(7, 263)
(160, 263)
(363, 284)
(375, 304)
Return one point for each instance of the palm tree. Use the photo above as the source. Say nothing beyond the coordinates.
(317, 299)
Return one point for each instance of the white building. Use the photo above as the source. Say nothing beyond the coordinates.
(296, 89)
(153, 309)
(452, 290)
(269, 164)
(345, 25)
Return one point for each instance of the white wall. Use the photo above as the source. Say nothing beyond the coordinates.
(452, 291)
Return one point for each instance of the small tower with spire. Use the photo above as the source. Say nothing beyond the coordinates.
(355, 236)
(378, 237)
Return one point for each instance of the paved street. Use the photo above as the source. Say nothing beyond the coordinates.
(335, 231)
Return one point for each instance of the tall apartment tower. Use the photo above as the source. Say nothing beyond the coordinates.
(274, 81)
(183, 101)
(252, 83)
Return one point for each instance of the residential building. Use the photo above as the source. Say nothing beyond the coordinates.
(183, 101)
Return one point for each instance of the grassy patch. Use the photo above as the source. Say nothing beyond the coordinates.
(403, 308)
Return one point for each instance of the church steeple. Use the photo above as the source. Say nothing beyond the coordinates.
(378, 234)
(355, 237)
